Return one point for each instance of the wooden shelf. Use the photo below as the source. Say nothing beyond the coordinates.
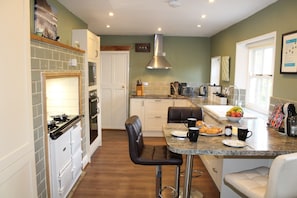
(56, 43)
(115, 48)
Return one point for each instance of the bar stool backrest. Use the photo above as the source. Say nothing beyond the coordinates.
(180, 114)
(134, 130)
(282, 180)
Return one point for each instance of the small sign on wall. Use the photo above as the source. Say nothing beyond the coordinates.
(142, 47)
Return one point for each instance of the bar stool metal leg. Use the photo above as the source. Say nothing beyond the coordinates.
(177, 181)
(158, 181)
(188, 176)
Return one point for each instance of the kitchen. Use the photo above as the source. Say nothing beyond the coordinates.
(221, 44)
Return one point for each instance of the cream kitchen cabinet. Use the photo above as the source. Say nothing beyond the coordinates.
(137, 108)
(214, 166)
(182, 103)
(90, 43)
(87, 41)
(152, 113)
(156, 113)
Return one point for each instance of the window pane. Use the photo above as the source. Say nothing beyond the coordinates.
(260, 78)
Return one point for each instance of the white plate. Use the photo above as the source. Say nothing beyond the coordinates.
(179, 133)
(211, 135)
(234, 143)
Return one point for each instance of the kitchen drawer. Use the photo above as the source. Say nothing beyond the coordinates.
(61, 150)
(65, 180)
(181, 103)
(157, 105)
(155, 122)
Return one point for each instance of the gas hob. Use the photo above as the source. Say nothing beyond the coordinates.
(60, 123)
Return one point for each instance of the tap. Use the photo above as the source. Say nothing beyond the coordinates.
(227, 91)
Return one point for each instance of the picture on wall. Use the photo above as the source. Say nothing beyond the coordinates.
(289, 53)
(45, 19)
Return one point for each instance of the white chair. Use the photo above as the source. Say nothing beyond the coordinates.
(280, 181)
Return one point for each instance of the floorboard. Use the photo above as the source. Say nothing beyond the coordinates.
(112, 174)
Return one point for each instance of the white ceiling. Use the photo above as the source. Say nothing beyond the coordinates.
(144, 17)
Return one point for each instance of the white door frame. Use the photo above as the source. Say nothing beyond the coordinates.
(127, 76)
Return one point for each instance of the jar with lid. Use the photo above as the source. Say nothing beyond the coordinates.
(139, 88)
(228, 130)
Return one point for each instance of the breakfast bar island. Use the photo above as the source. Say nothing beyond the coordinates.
(219, 159)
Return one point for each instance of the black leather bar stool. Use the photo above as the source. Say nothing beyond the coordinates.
(180, 115)
(155, 155)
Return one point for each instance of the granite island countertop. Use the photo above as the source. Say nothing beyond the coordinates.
(264, 142)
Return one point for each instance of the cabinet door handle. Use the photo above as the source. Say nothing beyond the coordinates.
(214, 170)
(158, 100)
(158, 116)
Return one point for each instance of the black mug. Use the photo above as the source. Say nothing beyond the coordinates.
(193, 134)
(243, 134)
(190, 122)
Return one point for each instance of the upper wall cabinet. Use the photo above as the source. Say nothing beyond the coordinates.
(87, 41)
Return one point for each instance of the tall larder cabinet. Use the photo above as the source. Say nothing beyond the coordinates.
(90, 43)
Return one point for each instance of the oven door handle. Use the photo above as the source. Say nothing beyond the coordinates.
(95, 99)
(94, 116)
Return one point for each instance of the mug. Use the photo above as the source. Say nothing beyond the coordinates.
(193, 134)
(242, 133)
(191, 122)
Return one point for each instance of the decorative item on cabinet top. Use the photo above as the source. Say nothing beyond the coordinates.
(142, 47)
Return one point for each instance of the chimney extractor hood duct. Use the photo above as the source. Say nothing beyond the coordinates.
(158, 61)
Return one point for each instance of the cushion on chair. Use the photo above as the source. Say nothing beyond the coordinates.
(180, 114)
(160, 155)
(251, 183)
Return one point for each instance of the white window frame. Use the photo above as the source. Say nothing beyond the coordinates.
(242, 59)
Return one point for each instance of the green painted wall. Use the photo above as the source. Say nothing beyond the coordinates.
(280, 17)
(66, 21)
(189, 56)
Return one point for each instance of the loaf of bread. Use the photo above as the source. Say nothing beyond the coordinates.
(210, 130)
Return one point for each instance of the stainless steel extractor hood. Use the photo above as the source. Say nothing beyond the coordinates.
(158, 61)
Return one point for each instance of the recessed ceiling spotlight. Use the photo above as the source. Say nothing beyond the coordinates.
(199, 26)
(174, 3)
(110, 13)
(107, 26)
(159, 29)
(211, 1)
(203, 16)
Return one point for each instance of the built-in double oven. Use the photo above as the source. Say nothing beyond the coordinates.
(94, 111)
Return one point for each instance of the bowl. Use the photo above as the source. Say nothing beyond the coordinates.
(233, 119)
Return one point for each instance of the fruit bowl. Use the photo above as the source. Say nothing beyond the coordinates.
(233, 119)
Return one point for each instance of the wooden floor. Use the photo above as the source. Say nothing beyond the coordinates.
(112, 174)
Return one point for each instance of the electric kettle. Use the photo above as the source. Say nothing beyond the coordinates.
(202, 90)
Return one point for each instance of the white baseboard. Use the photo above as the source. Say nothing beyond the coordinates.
(85, 161)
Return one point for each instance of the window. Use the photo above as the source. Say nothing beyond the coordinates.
(259, 77)
(254, 68)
